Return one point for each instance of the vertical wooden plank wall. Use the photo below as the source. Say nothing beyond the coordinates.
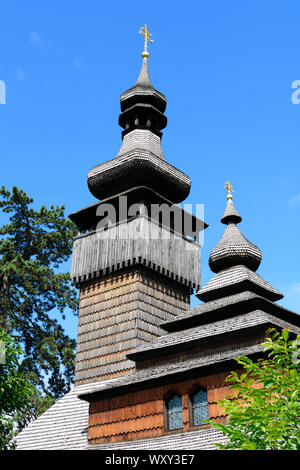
(138, 240)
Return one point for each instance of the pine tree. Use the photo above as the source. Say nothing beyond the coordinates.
(33, 245)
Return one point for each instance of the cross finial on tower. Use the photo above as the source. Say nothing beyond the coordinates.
(145, 32)
(228, 186)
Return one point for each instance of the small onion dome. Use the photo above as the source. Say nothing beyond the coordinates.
(143, 92)
(231, 214)
(233, 249)
(143, 106)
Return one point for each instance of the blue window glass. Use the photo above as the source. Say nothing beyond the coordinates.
(174, 410)
(199, 407)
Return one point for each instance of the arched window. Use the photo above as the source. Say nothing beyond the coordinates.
(173, 412)
(198, 407)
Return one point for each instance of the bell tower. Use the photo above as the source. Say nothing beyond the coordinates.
(136, 256)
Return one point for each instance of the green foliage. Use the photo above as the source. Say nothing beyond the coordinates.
(15, 391)
(32, 246)
(37, 404)
(264, 411)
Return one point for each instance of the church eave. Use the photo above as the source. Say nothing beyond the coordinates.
(171, 374)
(138, 168)
(227, 307)
(241, 326)
(235, 279)
(87, 218)
(240, 286)
(143, 94)
(143, 111)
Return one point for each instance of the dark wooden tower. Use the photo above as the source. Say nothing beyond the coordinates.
(136, 258)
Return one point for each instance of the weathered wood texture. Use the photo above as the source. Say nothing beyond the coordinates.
(139, 241)
(219, 347)
(140, 414)
(118, 313)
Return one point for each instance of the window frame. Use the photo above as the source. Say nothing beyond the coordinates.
(193, 391)
(166, 399)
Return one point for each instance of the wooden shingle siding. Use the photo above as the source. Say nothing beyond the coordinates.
(118, 313)
(140, 414)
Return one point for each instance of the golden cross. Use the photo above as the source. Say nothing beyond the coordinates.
(145, 32)
(228, 186)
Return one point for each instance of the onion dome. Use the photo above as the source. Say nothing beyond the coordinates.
(143, 91)
(233, 249)
(235, 260)
(143, 106)
(140, 160)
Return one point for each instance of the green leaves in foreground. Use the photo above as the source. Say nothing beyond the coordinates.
(264, 410)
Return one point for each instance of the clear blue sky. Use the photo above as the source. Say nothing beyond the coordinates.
(226, 68)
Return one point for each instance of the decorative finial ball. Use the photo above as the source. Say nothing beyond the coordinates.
(145, 55)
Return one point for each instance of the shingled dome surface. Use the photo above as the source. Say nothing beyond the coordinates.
(234, 249)
(140, 160)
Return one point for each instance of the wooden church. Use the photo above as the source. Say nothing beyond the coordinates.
(148, 368)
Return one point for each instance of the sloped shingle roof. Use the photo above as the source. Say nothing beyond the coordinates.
(211, 330)
(64, 427)
(229, 279)
(203, 440)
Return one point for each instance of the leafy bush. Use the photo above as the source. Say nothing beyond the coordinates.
(264, 411)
